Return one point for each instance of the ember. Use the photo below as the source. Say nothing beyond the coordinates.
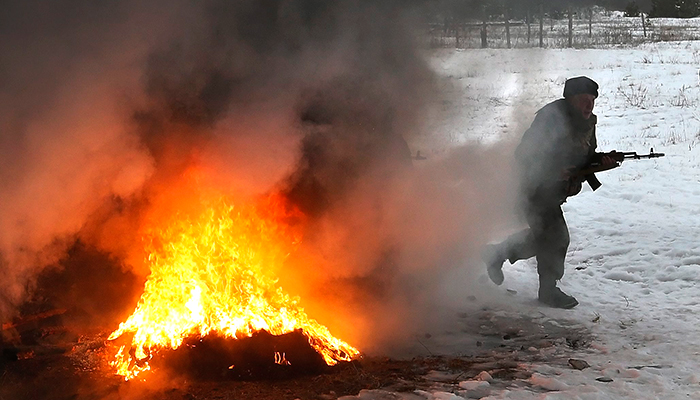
(212, 271)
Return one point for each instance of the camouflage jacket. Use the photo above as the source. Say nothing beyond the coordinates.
(559, 140)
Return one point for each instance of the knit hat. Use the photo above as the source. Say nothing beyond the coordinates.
(580, 84)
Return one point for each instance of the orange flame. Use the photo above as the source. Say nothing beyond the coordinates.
(212, 271)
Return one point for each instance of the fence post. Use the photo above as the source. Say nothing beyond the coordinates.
(644, 25)
(527, 21)
(484, 43)
(541, 24)
(507, 27)
(571, 28)
(456, 27)
(590, 23)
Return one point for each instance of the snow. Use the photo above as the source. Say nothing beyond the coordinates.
(634, 258)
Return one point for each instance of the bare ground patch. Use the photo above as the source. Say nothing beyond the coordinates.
(49, 362)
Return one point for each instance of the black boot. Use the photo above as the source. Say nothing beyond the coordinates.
(494, 263)
(552, 296)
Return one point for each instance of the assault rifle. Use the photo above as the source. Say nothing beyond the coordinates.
(596, 164)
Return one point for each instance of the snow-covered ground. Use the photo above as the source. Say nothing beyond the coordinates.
(634, 258)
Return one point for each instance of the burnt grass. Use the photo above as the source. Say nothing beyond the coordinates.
(52, 362)
(63, 376)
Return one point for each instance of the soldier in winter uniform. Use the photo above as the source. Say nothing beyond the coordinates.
(558, 144)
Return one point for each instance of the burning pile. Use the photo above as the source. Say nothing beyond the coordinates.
(212, 271)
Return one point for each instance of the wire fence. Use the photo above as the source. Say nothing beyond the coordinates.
(580, 33)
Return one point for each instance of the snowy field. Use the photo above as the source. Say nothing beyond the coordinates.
(634, 258)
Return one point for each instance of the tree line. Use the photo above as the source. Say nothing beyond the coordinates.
(495, 9)
(675, 8)
(521, 9)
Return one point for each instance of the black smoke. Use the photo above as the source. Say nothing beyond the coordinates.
(105, 106)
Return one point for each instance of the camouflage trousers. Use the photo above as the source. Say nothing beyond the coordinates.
(547, 239)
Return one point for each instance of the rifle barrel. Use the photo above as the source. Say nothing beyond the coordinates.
(639, 156)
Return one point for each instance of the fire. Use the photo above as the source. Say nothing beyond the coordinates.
(213, 271)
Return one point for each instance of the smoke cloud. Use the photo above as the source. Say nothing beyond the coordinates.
(63, 147)
(106, 105)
